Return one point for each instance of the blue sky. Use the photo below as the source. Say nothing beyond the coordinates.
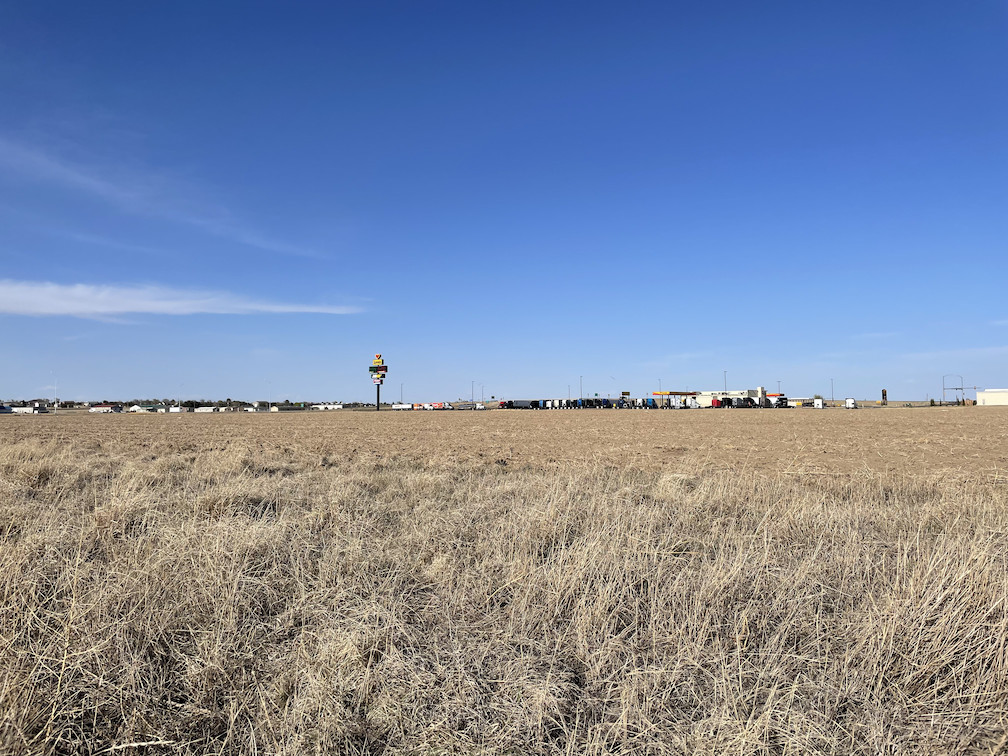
(236, 199)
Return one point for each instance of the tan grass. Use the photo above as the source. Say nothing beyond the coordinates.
(597, 582)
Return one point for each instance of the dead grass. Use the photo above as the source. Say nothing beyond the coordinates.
(597, 582)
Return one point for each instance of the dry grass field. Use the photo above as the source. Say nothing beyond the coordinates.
(745, 582)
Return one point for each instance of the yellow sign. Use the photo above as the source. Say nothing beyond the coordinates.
(377, 362)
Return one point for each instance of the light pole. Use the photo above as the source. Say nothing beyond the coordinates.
(958, 388)
(580, 388)
(472, 391)
(568, 392)
(481, 393)
(832, 400)
(400, 393)
(725, 380)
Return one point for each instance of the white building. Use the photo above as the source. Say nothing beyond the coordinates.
(992, 397)
(206, 409)
(147, 408)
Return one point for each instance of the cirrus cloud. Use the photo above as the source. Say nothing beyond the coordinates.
(43, 298)
(147, 195)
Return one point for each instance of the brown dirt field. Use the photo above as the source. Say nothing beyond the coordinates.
(927, 441)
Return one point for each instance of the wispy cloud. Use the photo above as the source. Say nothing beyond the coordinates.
(266, 353)
(887, 357)
(39, 298)
(103, 241)
(675, 360)
(128, 191)
(40, 166)
(959, 353)
(877, 335)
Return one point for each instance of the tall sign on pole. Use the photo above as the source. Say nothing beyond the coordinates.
(378, 371)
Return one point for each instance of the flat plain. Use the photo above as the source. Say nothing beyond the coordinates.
(749, 581)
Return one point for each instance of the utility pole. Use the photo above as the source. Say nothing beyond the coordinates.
(400, 393)
(580, 387)
(832, 401)
(725, 380)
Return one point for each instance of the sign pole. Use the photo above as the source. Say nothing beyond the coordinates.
(378, 371)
